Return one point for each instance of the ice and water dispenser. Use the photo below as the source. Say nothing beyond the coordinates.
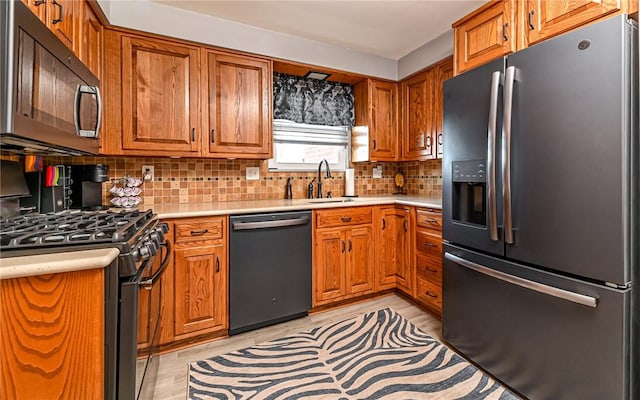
(469, 192)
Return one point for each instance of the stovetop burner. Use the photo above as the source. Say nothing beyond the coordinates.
(71, 228)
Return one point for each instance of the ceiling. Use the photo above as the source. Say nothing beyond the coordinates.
(390, 29)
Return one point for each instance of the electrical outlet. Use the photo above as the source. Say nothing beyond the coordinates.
(253, 173)
(147, 173)
(377, 172)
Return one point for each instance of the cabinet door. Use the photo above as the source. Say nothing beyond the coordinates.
(239, 100)
(38, 7)
(401, 241)
(485, 35)
(360, 256)
(330, 265)
(444, 71)
(63, 18)
(53, 336)
(385, 251)
(383, 128)
(549, 18)
(417, 124)
(160, 95)
(90, 51)
(200, 289)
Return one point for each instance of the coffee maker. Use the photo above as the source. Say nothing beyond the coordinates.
(86, 186)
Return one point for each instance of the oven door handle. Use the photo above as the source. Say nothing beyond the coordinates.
(149, 282)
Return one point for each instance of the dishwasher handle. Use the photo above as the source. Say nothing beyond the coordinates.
(279, 223)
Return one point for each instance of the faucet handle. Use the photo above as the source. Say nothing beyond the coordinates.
(329, 194)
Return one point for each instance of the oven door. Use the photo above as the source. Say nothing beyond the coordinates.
(139, 326)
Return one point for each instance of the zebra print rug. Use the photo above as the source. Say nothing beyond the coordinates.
(379, 355)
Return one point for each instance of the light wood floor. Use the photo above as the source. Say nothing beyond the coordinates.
(172, 369)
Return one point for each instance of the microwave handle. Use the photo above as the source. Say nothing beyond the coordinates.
(93, 90)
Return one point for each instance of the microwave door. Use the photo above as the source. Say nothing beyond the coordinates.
(472, 206)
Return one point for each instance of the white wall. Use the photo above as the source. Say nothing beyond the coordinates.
(435, 50)
(161, 19)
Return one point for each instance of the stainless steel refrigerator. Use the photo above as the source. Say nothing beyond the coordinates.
(540, 215)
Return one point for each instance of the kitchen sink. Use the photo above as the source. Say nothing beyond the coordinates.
(330, 200)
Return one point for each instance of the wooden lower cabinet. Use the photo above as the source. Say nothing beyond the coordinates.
(344, 256)
(393, 249)
(428, 259)
(52, 336)
(200, 289)
(195, 283)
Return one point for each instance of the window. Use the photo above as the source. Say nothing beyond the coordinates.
(301, 147)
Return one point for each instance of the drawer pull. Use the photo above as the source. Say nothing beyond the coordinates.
(405, 226)
(343, 246)
(345, 219)
(431, 294)
(432, 270)
(384, 224)
(217, 264)
(199, 232)
(350, 245)
(432, 221)
(430, 244)
(531, 25)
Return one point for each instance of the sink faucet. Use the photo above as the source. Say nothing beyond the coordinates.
(320, 176)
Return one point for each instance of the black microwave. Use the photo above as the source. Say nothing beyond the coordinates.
(51, 101)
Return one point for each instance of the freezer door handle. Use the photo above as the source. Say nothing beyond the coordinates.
(491, 155)
(525, 283)
(509, 80)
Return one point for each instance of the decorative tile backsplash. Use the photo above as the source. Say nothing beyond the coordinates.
(207, 180)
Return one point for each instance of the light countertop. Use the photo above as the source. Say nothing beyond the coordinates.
(52, 263)
(186, 210)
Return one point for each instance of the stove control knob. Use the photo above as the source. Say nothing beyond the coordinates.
(153, 249)
(144, 251)
(164, 227)
(136, 255)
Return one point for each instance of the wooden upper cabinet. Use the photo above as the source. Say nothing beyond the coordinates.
(90, 43)
(444, 71)
(545, 19)
(417, 117)
(484, 35)
(62, 17)
(377, 108)
(160, 96)
(238, 95)
(38, 7)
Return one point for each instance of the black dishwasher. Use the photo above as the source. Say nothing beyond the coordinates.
(269, 269)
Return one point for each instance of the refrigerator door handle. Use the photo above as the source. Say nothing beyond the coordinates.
(525, 283)
(509, 80)
(491, 155)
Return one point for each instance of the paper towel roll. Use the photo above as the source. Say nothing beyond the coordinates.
(349, 182)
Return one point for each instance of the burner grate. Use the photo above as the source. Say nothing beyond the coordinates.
(71, 228)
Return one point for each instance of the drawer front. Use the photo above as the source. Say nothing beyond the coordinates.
(428, 244)
(343, 217)
(429, 219)
(200, 229)
(429, 268)
(429, 294)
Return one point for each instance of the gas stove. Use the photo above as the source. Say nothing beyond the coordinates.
(136, 234)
